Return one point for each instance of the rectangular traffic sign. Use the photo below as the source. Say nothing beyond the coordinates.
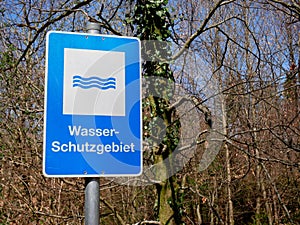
(93, 119)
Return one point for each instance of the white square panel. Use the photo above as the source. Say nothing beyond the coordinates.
(94, 82)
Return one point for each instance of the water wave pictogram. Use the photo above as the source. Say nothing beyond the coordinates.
(94, 82)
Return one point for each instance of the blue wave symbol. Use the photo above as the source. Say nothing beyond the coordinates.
(94, 82)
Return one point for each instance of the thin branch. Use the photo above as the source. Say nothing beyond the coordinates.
(57, 216)
(277, 193)
(201, 28)
(223, 57)
(113, 209)
(46, 25)
(107, 24)
(115, 12)
(198, 104)
(210, 204)
(285, 142)
(293, 7)
(147, 222)
(231, 142)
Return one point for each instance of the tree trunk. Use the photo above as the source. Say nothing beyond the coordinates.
(267, 204)
(258, 186)
(228, 166)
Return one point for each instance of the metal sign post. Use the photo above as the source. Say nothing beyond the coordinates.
(92, 184)
(91, 201)
(93, 113)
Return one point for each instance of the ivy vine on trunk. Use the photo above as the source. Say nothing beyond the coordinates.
(152, 21)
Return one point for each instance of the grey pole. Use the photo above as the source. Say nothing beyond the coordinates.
(93, 28)
(91, 204)
(92, 184)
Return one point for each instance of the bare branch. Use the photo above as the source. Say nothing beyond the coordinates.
(147, 222)
(198, 104)
(106, 22)
(295, 7)
(113, 209)
(201, 28)
(277, 192)
(46, 25)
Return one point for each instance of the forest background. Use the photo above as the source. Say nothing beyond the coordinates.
(221, 119)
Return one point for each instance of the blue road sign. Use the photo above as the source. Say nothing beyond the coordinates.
(92, 123)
